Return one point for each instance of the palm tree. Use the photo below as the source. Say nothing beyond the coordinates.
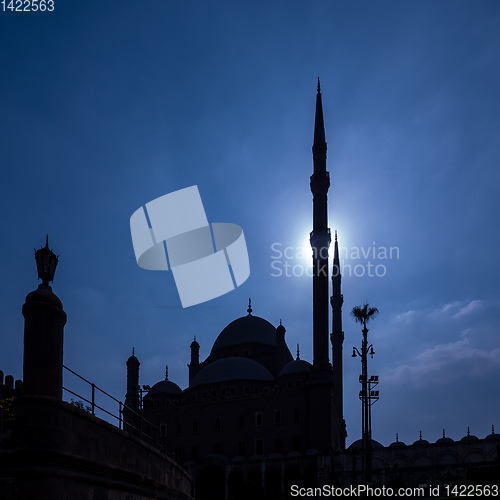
(363, 314)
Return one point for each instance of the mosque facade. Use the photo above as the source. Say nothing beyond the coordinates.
(256, 420)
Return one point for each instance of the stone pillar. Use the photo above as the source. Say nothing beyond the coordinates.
(44, 320)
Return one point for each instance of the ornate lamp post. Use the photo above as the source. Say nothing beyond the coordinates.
(46, 263)
(367, 395)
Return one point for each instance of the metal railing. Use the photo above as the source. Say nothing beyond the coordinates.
(145, 430)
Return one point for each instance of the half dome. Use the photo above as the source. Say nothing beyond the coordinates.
(165, 387)
(296, 366)
(234, 368)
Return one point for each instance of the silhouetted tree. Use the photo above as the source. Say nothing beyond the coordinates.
(363, 314)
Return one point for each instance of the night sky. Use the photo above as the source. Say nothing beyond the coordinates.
(107, 105)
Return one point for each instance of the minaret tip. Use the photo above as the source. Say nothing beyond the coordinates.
(319, 86)
(133, 351)
(335, 236)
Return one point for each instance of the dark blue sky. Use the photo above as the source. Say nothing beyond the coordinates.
(108, 105)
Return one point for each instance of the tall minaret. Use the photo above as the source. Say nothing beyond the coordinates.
(337, 335)
(320, 241)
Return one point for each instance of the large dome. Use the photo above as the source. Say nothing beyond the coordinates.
(245, 330)
(234, 368)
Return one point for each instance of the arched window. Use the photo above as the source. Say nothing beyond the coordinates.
(163, 430)
(259, 418)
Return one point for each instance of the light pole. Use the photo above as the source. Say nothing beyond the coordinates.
(367, 395)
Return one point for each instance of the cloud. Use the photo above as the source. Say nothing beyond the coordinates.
(444, 363)
(456, 309)
(473, 306)
(406, 317)
(450, 310)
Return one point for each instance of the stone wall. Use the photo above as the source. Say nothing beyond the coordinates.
(56, 451)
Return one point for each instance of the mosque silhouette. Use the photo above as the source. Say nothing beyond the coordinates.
(255, 421)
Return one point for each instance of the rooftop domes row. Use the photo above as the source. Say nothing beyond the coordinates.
(444, 439)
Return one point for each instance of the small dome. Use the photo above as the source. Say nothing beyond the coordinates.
(234, 368)
(444, 440)
(245, 330)
(420, 441)
(165, 387)
(493, 436)
(296, 366)
(397, 443)
(357, 445)
(469, 437)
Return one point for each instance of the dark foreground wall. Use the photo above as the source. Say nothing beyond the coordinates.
(56, 451)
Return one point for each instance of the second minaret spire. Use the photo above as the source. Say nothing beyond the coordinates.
(320, 240)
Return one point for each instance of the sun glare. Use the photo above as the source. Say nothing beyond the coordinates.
(304, 250)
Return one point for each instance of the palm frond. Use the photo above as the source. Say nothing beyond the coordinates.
(362, 314)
